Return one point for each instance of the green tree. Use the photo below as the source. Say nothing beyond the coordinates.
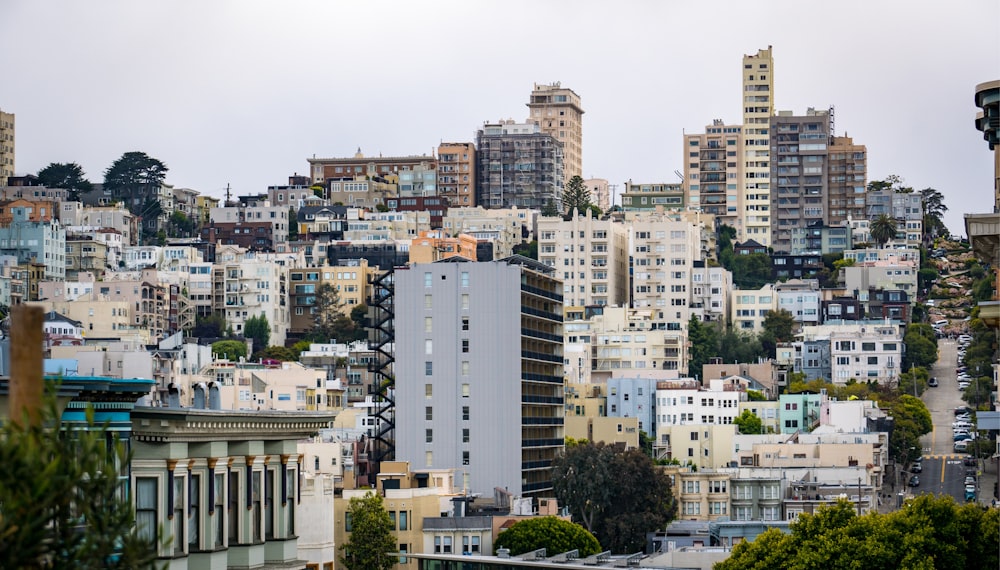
(259, 330)
(749, 423)
(274, 352)
(576, 198)
(704, 339)
(739, 346)
(230, 349)
(934, 209)
(61, 500)
(779, 326)
(527, 249)
(549, 210)
(371, 545)
(180, 225)
(930, 532)
(882, 229)
(66, 175)
(978, 393)
(617, 495)
(211, 326)
(920, 350)
(135, 177)
(326, 310)
(553, 534)
(724, 245)
(751, 271)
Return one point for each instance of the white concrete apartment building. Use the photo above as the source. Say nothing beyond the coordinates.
(590, 255)
(711, 292)
(630, 339)
(246, 285)
(664, 254)
(758, 108)
(801, 298)
(505, 227)
(749, 307)
(382, 226)
(685, 401)
(882, 275)
(863, 351)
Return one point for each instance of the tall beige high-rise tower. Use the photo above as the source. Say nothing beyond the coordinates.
(758, 107)
(557, 111)
(6, 146)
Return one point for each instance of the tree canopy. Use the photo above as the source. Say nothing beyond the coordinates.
(779, 326)
(749, 423)
(619, 496)
(61, 502)
(882, 229)
(371, 545)
(230, 349)
(751, 271)
(929, 532)
(67, 175)
(553, 534)
(576, 197)
(133, 175)
(259, 330)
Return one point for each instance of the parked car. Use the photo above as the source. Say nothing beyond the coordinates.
(970, 480)
(933, 382)
(963, 410)
(914, 481)
(970, 461)
(916, 468)
(961, 446)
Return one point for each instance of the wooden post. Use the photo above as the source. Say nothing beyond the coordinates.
(26, 370)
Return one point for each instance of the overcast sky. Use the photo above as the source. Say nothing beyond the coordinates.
(242, 92)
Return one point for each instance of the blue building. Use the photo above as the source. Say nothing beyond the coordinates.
(634, 398)
(35, 242)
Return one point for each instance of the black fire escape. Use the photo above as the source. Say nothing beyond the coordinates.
(381, 339)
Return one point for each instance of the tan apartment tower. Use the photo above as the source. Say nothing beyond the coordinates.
(558, 112)
(758, 107)
(456, 176)
(6, 147)
(847, 180)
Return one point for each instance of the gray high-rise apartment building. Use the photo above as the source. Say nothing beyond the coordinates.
(798, 173)
(517, 164)
(479, 371)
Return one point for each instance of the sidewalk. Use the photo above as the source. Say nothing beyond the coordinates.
(986, 480)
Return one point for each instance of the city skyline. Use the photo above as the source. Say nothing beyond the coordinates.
(243, 94)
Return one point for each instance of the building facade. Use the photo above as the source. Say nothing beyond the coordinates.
(6, 146)
(713, 173)
(456, 177)
(758, 107)
(558, 112)
(590, 255)
(479, 371)
(518, 165)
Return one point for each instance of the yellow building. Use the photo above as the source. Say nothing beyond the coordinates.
(557, 110)
(435, 245)
(456, 173)
(6, 147)
(409, 496)
(758, 107)
(350, 282)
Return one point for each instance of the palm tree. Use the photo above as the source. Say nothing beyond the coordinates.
(882, 229)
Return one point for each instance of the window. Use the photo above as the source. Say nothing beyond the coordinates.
(402, 520)
(428, 368)
(429, 435)
(428, 324)
(146, 516)
(257, 507)
(465, 413)
(465, 435)
(465, 368)
(429, 413)
(234, 508)
(220, 498)
(194, 501)
(465, 323)
(465, 390)
(348, 522)
(269, 504)
(465, 301)
(428, 279)
(428, 301)
(465, 279)
(465, 458)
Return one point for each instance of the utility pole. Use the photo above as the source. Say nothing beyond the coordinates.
(26, 372)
